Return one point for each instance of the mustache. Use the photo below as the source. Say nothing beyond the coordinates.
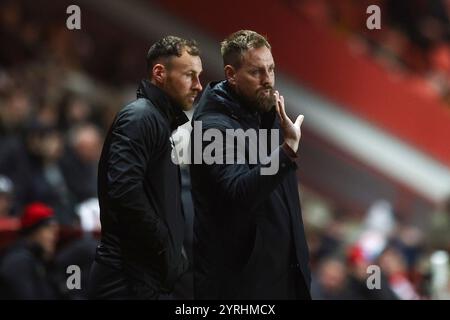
(266, 88)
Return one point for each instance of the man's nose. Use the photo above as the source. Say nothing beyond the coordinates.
(266, 79)
(197, 85)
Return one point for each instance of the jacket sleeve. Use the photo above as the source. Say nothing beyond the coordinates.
(242, 184)
(134, 140)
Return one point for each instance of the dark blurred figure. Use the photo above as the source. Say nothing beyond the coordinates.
(330, 239)
(6, 192)
(15, 110)
(81, 160)
(46, 182)
(17, 31)
(423, 21)
(330, 282)
(81, 253)
(25, 269)
(394, 265)
(409, 243)
(357, 267)
(74, 111)
(8, 223)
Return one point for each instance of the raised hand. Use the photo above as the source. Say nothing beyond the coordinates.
(291, 131)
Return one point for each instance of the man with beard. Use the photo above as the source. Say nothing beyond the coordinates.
(140, 254)
(249, 241)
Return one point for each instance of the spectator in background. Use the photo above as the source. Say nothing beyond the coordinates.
(46, 181)
(15, 112)
(6, 192)
(80, 251)
(81, 160)
(14, 164)
(74, 111)
(357, 267)
(25, 269)
(330, 281)
(8, 223)
(31, 160)
(394, 265)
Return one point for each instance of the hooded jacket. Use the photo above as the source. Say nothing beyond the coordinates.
(249, 241)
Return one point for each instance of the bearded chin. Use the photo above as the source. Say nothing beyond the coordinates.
(261, 103)
(265, 103)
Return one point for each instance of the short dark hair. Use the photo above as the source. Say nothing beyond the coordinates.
(167, 47)
(233, 47)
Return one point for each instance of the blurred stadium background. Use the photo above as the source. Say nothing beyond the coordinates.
(375, 153)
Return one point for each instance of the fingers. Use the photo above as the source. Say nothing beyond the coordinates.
(281, 110)
(277, 105)
(280, 106)
(299, 120)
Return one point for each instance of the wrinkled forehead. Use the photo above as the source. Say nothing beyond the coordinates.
(258, 57)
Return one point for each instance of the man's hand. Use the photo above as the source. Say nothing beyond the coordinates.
(291, 131)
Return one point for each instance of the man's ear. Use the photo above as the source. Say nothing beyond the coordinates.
(230, 74)
(159, 73)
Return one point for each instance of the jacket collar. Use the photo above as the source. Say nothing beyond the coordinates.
(239, 107)
(172, 111)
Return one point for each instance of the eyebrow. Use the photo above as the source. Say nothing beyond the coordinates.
(194, 71)
(259, 67)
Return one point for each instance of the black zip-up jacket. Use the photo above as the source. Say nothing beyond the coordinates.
(249, 241)
(139, 192)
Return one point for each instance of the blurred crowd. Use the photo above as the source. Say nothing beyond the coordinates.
(59, 92)
(54, 112)
(347, 249)
(414, 39)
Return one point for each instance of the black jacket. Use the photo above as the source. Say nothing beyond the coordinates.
(139, 192)
(26, 275)
(249, 240)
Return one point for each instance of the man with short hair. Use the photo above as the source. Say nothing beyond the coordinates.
(249, 241)
(140, 254)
